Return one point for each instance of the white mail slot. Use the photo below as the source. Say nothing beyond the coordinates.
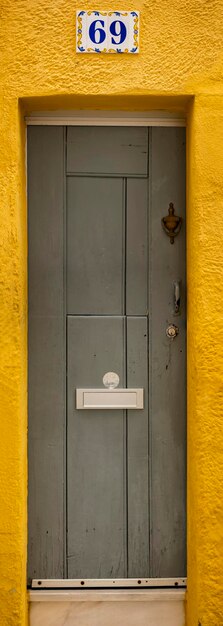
(109, 398)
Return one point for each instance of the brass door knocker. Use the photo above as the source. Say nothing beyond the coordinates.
(171, 223)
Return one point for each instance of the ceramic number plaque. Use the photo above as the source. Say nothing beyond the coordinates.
(108, 31)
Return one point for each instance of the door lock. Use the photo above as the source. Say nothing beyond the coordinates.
(172, 331)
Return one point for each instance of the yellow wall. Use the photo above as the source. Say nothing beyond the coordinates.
(180, 57)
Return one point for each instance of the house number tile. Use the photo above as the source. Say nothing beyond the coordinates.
(110, 32)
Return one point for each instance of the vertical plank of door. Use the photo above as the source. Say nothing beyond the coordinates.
(96, 453)
(136, 246)
(138, 451)
(167, 387)
(46, 352)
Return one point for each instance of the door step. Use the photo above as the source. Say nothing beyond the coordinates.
(93, 608)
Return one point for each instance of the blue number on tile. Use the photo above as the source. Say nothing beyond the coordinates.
(118, 29)
(96, 34)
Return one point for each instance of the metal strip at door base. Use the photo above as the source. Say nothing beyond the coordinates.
(74, 583)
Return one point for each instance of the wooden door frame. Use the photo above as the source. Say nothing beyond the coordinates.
(106, 118)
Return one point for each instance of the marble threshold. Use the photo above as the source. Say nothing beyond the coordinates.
(128, 607)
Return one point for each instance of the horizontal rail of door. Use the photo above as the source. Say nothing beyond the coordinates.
(72, 583)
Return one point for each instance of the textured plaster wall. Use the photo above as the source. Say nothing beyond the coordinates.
(180, 57)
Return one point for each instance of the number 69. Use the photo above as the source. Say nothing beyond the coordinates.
(117, 30)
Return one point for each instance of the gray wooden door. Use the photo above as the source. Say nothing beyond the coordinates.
(106, 487)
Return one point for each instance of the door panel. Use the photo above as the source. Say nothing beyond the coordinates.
(138, 451)
(96, 453)
(136, 246)
(167, 358)
(95, 219)
(114, 151)
(46, 352)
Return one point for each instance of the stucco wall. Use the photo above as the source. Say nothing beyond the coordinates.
(180, 56)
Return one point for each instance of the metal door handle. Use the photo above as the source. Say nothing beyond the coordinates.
(177, 286)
